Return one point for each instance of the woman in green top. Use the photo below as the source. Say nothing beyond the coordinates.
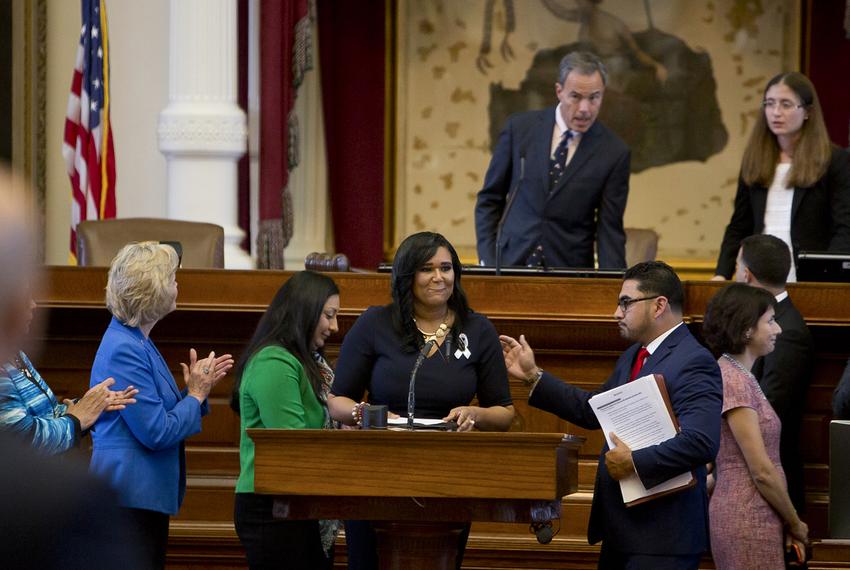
(282, 381)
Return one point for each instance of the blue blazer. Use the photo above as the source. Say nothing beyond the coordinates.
(585, 208)
(140, 450)
(675, 525)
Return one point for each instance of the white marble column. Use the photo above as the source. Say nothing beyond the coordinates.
(202, 131)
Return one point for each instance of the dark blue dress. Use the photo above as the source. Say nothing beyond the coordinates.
(373, 359)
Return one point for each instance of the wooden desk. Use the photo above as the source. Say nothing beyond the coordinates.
(421, 487)
(568, 322)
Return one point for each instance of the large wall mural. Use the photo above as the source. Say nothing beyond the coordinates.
(685, 79)
(661, 96)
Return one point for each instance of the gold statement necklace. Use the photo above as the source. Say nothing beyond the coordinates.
(437, 334)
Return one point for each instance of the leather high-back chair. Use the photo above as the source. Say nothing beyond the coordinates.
(98, 241)
(641, 245)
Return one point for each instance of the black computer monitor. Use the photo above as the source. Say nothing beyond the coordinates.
(823, 266)
(839, 474)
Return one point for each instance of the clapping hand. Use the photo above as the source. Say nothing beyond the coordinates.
(202, 375)
(96, 400)
(119, 400)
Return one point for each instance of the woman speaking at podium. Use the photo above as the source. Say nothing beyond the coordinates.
(429, 308)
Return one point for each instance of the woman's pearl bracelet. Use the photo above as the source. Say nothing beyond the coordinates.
(357, 413)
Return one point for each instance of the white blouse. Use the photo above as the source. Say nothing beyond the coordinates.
(777, 212)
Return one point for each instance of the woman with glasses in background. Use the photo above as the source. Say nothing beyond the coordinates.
(794, 184)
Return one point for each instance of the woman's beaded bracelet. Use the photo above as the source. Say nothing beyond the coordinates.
(357, 413)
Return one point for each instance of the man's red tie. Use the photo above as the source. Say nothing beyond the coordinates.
(642, 355)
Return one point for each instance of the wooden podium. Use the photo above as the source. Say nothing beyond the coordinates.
(421, 487)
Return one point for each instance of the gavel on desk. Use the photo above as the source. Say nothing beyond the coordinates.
(327, 262)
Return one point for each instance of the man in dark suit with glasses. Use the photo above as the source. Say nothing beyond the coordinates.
(670, 532)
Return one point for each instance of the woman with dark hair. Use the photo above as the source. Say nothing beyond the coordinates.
(794, 183)
(282, 381)
(465, 360)
(750, 504)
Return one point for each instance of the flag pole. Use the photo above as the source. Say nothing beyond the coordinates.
(104, 178)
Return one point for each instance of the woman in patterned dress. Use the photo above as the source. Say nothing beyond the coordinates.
(750, 512)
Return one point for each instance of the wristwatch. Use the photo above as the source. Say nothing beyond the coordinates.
(534, 380)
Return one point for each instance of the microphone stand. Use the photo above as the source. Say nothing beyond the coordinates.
(508, 205)
(411, 390)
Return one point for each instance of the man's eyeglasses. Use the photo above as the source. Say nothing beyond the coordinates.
(624, 303)
(783, 104)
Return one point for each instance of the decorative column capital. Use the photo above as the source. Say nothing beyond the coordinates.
(217, 129)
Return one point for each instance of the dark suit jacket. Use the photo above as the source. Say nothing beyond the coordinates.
(784, 375)
(820, 215)
(675, 525)
(586, 205)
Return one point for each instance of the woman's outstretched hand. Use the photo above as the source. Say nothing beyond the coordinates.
(519, 358)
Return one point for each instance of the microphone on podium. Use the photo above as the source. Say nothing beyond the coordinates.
(506, 211)
(411, 390)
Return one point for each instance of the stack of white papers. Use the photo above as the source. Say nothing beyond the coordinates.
(416, 421)
(639, 415)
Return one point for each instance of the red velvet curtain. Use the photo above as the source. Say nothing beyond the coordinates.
(828, 58)
(244, 173)
(284, 44)
(353, 54)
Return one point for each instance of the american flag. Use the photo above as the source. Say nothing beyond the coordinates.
(89, 155)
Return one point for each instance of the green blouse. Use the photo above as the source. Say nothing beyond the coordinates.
(275, 393)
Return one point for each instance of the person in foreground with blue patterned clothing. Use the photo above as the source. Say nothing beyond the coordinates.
(30, 409)
(55, 515)
(140, 450)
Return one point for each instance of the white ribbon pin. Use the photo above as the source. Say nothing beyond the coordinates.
(465, 344)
